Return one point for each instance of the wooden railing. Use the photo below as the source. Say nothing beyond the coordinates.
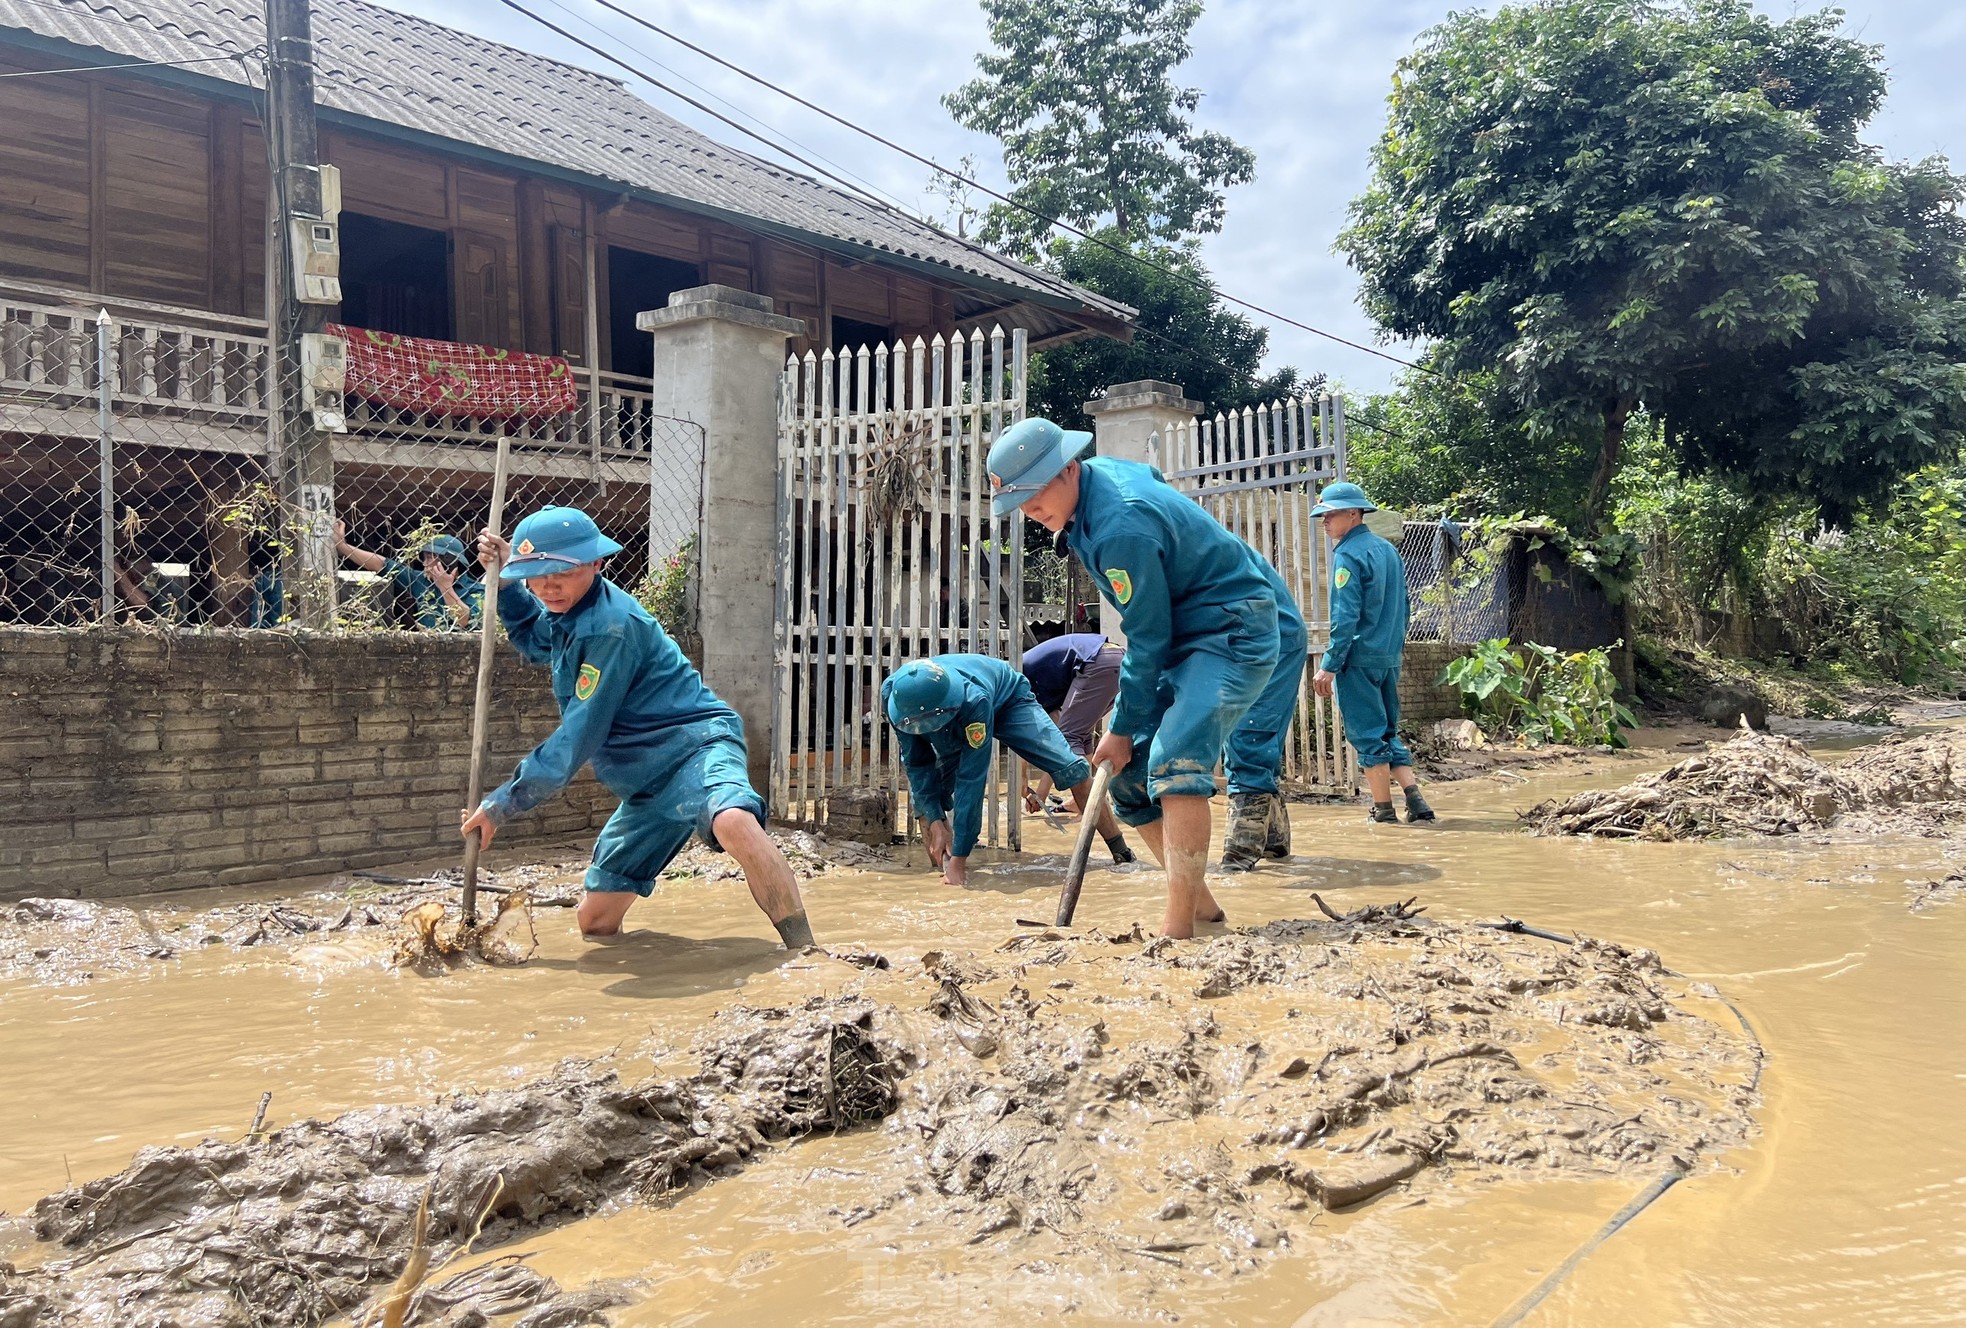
(193, 379)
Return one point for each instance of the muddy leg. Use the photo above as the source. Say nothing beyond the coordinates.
(601, 911)
(766, 872)
(1206, 909)
(1184, 841)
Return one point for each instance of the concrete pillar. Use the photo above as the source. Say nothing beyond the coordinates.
(719, 353)
(1123, 421)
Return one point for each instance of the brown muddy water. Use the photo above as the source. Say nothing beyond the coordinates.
(1844, 1202)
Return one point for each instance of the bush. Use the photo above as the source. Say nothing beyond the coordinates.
(668, 592)
(1540, 694)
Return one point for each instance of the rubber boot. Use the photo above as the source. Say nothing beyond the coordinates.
(1276, 844)
(1383, 814)
(1416, 806)
(1122, 851)
(1249, 829)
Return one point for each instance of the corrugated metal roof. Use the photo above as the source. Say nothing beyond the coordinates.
(399, 70)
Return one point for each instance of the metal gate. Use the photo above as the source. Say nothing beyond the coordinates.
(1258, 471)
(887, 552)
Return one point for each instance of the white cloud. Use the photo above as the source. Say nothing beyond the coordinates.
(1303, 84)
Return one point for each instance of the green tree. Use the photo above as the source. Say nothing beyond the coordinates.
(1094, 131)
(1184, 335)
(1618, 205)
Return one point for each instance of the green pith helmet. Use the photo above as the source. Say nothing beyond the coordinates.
(1028, 456)
(1344, 496)
(555, 539)
(921, 697)
(444, 546)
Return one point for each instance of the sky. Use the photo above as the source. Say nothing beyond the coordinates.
(1303, 83)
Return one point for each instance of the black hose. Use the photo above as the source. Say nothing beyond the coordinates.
(1520, 928)
(1627, 1213)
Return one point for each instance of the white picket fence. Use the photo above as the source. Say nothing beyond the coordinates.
(1258, 472)
(887, 553)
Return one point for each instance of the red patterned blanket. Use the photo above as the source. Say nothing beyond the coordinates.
(451, 378)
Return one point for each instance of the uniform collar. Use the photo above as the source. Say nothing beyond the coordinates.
(1359, 529)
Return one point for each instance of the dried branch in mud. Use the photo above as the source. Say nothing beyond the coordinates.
(1764, 784)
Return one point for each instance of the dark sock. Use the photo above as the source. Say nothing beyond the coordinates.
(1118, 847)
(795, 931)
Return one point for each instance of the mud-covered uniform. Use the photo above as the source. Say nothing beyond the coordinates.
(1368, 640)
(949, 767)
(433, 612)
(1202, 639)
(632, 705)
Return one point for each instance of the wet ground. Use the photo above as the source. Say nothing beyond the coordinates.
(1843, 1203)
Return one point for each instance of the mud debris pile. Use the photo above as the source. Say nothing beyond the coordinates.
(315, 1220)
(1765, 784)
(1187, 1106)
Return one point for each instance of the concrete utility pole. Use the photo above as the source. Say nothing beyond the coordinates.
(302, 460)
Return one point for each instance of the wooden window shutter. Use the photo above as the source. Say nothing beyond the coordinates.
(569, 254)
(483, 299)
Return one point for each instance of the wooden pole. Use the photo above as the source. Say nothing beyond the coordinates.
(1068, 898)
(481, 710)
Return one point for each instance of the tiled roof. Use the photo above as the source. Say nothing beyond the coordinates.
(380, 65)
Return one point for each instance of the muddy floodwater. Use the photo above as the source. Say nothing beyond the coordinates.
(1828, 1171)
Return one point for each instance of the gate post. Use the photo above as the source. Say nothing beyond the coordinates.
(719, 353)
(1123, 421)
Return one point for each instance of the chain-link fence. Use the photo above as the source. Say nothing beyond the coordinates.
(1457, 594)
(156, 456)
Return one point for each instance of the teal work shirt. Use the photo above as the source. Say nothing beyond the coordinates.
(433, 612)
(995, 697)
(1180, 581)
(630, 703)
(1368, 604)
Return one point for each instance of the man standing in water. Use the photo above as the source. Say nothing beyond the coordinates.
(950, 709)
(1202, 636)
(631, 704)
(1369, 614)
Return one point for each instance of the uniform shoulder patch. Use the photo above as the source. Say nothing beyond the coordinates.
(1122, 583)
(1343, 578)
(584, 685)
(976, 733)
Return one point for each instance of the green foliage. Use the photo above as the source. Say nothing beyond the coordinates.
(1440, 446)
(668, 592)
(1618, 205)
(1185, 335)
(1094, 130)
(1540, 694)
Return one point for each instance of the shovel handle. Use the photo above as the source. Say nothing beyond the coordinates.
(1068, 898)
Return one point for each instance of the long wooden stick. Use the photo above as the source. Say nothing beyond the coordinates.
(1068, 898)
(481, 711)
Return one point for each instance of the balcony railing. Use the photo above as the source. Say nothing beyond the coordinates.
(186, 378)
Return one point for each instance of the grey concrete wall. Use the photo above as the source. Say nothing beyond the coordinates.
(134, 761)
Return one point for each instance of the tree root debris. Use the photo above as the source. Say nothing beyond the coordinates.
(1765, 784)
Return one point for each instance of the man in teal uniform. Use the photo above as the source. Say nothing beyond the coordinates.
(631, 704)
(1202, 639)
(1369, 614)
(949, 709)
(447, 598)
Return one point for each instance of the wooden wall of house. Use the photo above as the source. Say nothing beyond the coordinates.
(117, 186)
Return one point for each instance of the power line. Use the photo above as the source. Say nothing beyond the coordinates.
(866, 185)
(1000, 197)
(127, 64)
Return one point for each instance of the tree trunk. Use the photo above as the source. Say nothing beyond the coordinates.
(1610, 453)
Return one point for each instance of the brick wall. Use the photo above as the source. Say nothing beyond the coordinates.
(1421, 700)
(134, 761)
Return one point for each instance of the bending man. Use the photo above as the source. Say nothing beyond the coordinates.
(948, 710)
(631, 704)
(1074, 678)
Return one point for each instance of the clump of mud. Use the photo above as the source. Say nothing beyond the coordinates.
(1765, 784)
(317, 1219)
(1931, 894)
(1184, 1108)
